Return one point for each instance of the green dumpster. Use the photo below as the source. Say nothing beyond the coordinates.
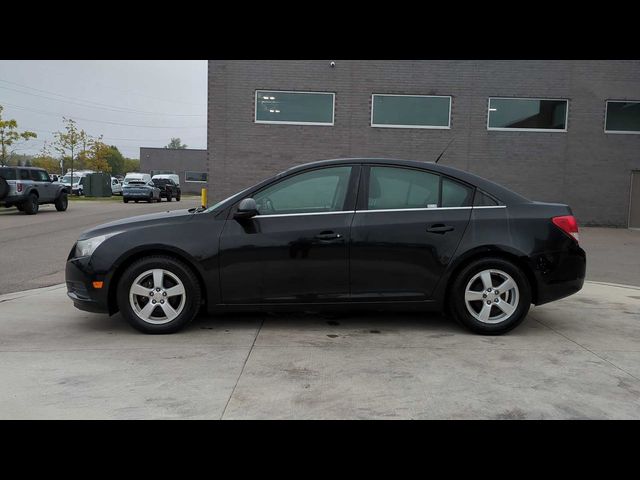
(97, 185)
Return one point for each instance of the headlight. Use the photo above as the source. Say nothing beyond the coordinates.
(85, 248)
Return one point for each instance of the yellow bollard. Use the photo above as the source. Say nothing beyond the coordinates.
(203, 197)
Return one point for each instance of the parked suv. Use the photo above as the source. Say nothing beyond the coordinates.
(27, 188)
(168, 188)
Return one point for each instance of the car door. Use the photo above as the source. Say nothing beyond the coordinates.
(407, 226)
(41, 185)
(296, 249)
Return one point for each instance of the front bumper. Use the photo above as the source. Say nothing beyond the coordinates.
(79, 277)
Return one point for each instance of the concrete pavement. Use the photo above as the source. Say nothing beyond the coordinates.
(575, 358)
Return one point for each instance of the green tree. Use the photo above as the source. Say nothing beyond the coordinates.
(45, 160)
(10, 136)
(131, 165)
(115, 159)
(96, 157)
(176, 143)
(68, 141)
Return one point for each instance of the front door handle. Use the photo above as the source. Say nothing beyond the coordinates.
(439, 228)
(328, 236)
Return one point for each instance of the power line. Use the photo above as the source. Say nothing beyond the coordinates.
(43, 112)
(96, 105)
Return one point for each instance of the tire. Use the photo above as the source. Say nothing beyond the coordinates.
(515, 301)
(19, 207)
(62, 202)
(136, 201)
(159, 321)
(30, 205)
(125, 199)
(169, 198)
(178, 198)
(4, 188)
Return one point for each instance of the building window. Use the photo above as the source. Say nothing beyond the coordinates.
(294, 108)
(197, 177)
(410, 111)
(622, 117)
(527, 114)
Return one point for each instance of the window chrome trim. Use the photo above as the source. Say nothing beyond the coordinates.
(391, 125)
(301, 214)
(606, 111)
(276, 122)
(489, 206)
(377, 211)
(551, 130)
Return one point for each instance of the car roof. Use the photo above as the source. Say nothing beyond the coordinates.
(499, 191)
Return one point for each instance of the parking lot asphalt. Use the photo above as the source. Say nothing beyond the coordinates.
(572, 359)
(34, 248)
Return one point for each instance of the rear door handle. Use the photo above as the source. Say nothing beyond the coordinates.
(439, 228)
(328, 236)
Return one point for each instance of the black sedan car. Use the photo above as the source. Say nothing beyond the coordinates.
(168, 188)
(337, 234)
(140, 190)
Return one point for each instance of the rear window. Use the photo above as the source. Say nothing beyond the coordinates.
(8, 173)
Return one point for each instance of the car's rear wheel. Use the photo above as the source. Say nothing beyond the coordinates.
(125, 199)
(30, 205)
(62, 202)
(490, 296)
(158, 294)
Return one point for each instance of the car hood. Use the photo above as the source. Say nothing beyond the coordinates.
(140, 221)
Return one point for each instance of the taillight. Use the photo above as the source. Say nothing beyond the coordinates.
(568, 224)
(18, 187)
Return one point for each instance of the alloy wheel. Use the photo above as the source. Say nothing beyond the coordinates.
(491, 296)
(157, 296)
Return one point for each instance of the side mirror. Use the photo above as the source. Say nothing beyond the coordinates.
(247, 209)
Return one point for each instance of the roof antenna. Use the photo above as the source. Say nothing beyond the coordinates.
(445, 149)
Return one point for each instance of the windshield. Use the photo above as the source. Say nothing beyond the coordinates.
(161, 181)
(135, 182)
(67, 179)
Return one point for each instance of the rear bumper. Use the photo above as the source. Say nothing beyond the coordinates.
(12, 200)
(558, 274)
(79, 277)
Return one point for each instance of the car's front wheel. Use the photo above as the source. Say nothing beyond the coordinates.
(62, 202)
(158, 294)
(490, 296)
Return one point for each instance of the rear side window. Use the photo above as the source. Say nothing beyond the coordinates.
(484, 200)
(455, 194)
(24, 174)
(392, 188)
(8, 173)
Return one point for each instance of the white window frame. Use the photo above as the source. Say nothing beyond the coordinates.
(547, 130)
(424, 127)
(606, 110)
(276, 122)
(195, 181)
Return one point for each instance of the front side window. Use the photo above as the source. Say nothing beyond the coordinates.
(318, 191)
(527, 114)
(297, 108)
(410, 111)
(198, 177)
(622, 117)
(399, 188)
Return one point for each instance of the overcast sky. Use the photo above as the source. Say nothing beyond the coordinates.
(132, 103)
